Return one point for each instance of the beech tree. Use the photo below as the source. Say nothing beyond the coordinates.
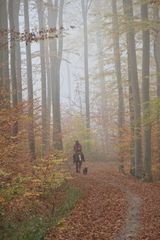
(132, 65)
(157, 61)
(18, 52)
(56, 49)
(85, 7)
(4, 53)
(121, 114)
(13, 63)
(100, 39)
(145, 93)
(57, 131)
(40, 7)
(1, 48)
(31, 135)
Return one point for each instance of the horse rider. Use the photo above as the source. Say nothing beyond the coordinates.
(77, 149)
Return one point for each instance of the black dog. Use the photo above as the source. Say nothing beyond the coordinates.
(85, 171)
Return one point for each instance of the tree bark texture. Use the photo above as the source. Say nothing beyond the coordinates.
(13, 63)
(40, 7)
(121, 112)
(84, 4)
(145, 94)
(157, 60)
(31, 137)
(18, 52)
(128, 10)
(4, 54)
(56, 49)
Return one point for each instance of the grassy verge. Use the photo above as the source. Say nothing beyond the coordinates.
(73, 195)
(37, 224)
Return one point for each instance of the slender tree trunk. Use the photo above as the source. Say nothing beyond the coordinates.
(78, 92)
(13, 64)
(103, 94)
(145, 94)
(40, 8)
(18, 52)
(157, 60)
(157, 48)
(57, 132)
(49, 92)
(69, 84)
(56, 48)
(128, 10)
(1, 47)
(131, 109)
(118, 73)
(99, 38)
(52, 22)
(84, 4)
(31, 138)
(5, 54)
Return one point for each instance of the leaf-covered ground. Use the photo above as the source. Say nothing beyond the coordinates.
(114, 206)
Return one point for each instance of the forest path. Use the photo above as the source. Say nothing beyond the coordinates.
(112, 208)
(132, 223)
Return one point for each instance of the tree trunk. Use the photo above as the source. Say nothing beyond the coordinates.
(4, 53)
(69, 84)
(103, 101)
(49, 92)
(13, 64)
(1, 47)
(145, 94)
(84, 5)
(56, 48)
(18, 52)
(131, 110)
(157, 60)
(128, 10)
(118, 74)
(52, 22)
(31, 138)
(40, 8)
(57, 132)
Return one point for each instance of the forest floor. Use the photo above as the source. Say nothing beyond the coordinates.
(114, 206)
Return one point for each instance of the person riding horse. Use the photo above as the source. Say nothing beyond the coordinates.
(78, 156)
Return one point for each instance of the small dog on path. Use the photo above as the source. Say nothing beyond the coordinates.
(85, 171)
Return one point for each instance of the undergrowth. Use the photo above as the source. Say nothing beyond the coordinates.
(38, 225)
(34, 198)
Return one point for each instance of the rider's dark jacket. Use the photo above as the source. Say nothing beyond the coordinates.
(77, 147)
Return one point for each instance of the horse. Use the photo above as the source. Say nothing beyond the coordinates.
(78, 159)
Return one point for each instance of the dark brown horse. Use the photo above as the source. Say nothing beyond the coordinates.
(78, 159)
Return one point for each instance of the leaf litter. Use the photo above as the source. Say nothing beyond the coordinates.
(114, 207)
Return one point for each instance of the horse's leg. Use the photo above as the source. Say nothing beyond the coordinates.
(77, 166)
(80, 164)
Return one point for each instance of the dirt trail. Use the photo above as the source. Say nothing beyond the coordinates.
(132, 224)
(110, 209)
